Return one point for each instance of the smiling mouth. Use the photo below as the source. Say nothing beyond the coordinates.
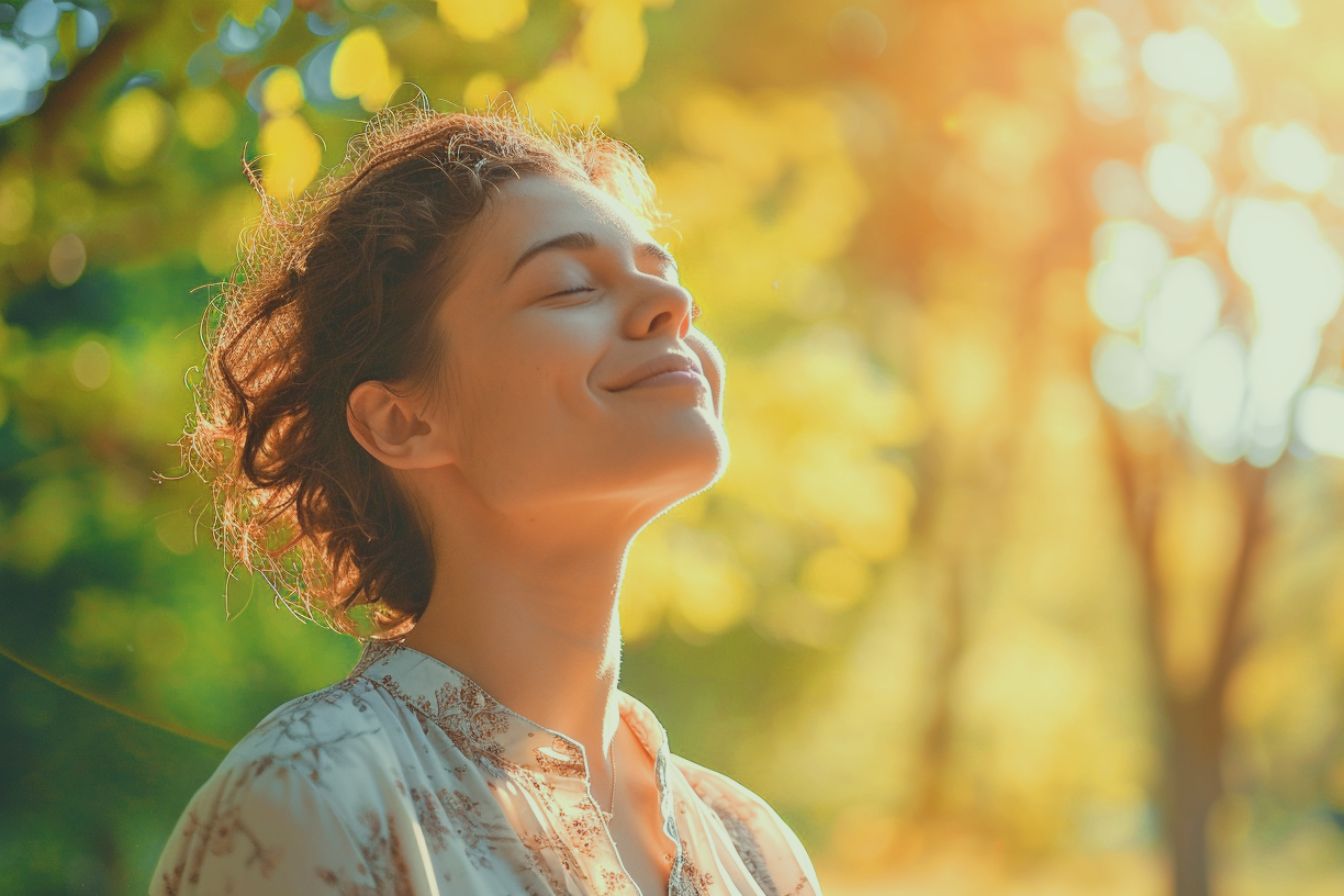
(670, 378)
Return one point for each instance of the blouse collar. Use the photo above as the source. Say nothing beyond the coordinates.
(482, 727)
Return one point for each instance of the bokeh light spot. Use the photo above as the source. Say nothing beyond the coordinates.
(1279, 13)
(1122, 373)
(1320, 419)
(1278, 248)
(857, 33)
(1130, 256)
(361, 68)
(66, 260)
(836, 577)
(205, 116)
(293, 155)
(283, 91)
(1182, 312)
(481, 88)
(572, 91)
(136, 126)
(91, 364)
(1292, 155)
(1191, 61)
(1215, 391)
(1179, 180)
(476, 21)
(612, 43)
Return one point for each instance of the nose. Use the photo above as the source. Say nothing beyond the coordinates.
(663, 304)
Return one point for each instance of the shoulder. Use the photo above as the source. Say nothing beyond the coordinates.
(766, 843)
(295, 803)
(262, 825)
(728, 797)
(339, 725)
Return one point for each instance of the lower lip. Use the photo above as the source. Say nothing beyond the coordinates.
(671, 377)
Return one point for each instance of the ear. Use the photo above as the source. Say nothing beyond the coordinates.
(392, 428)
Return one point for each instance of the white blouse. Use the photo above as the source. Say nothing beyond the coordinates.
(408, 778)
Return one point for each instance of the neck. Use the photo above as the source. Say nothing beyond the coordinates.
(535, 622)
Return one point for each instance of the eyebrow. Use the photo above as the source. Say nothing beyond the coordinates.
(581, 240)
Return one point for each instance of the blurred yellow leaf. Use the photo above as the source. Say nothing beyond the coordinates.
(135, 128)
(570, 90)
(612, 42)
(481, 88)
(293, 155)
(283, 91)
(205, 115)
(717, 123)
(361, 68)
(836, 577)
(478, 21)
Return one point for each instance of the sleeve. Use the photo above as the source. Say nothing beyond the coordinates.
(262, 828)
(789, 845)
(767, 845)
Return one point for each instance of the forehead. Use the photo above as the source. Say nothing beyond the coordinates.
(535, 207)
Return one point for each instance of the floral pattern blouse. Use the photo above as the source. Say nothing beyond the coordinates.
(408, 779)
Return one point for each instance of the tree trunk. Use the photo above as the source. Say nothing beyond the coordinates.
(1192, 724)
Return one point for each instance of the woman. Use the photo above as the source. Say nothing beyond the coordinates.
(450, 390)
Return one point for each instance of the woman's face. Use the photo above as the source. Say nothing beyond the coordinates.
(542, 341)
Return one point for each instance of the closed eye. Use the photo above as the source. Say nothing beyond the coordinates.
(568, 291)
(695, 308)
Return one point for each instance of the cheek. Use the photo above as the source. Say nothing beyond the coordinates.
(552, 355)
(712, 362)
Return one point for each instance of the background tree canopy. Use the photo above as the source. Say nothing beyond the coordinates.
(1026, 574)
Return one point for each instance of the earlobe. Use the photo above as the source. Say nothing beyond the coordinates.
(389, 427)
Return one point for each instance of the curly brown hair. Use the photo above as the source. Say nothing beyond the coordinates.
(336, 287)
